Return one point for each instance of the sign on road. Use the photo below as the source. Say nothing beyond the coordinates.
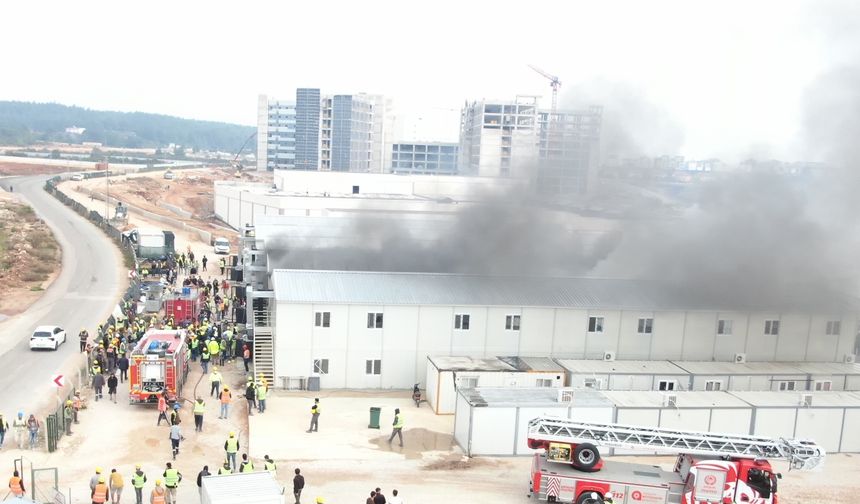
(59, 380)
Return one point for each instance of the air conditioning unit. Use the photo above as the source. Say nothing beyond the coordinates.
(670, 400)
(565, 395)
(849, 358)
(740, 358)
(608, 355)
(806, 400)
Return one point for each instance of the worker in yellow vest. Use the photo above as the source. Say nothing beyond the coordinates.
(172, 477)
(100, 492)
(246, 465)
(397, 429)
(199, 409)
(231, 446)
(270, 466)
(16, 485)
(225, 469)
(137, 481)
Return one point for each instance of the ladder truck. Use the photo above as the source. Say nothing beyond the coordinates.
(711, 468)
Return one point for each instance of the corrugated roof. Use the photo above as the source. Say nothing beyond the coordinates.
(383, 288)
(535, 364)
(732, 368)
(241, 488)
(827, 368)
(577, 366)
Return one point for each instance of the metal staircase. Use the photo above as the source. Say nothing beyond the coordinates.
(802, 454)
(264, 341)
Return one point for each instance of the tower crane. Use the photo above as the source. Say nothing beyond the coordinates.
(554, 82)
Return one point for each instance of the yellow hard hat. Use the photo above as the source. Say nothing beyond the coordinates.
(214, 368)
(98, 470)
(158, 482)
(101, 479)
(137, 466)
(69, 402)
(320, 500)
(232, 434)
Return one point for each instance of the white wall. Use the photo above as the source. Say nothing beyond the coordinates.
(822, 425)
(493, 431)
(850, 432)
(462, 423)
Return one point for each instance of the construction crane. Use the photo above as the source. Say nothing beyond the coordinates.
(801, 454)
(554, 83)
(236, 164)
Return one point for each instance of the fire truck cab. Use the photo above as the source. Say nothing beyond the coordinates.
(159, 364)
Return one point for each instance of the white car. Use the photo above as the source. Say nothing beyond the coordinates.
(47, 337)
(78, 176)
(222, 246)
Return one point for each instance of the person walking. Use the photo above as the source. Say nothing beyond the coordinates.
(246, 357)
(174, 414)
(225, 468)
(246, 465)
(19, 425)
(199, 409)
(395, 499)
(315, 416)
(33, 427)
(231, 446)
(175, 436)
(94, 479)
(111, 384)
(116, 484)
(369, 500)
(262, 390)
(215, 379)
(222, 264)
(202, 474)
(99, 493)
(397, 427)
(4, 428)
(298, 485)
(204, 359)
(226, 397)
(251, 396)
(138, 479)
(68, 416)
(84, 336)
(172, 478)
(162, 409)
(204, 261)
(98, 383)
(77, 404)
(122, 365)
(270, 465)
(158, 494)
(378, 498)
(16, 485)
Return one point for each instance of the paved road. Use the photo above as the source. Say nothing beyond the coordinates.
(83, 295)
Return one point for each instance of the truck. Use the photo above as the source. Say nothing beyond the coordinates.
(184, 306)
(152, 243)
(710, 467)
(158, 365)
(241, 488)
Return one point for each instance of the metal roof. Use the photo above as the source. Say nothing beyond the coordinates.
(736, 369)
(534, 364)
(241, 488)
(531, 397)
(447, 289)
(651, 399)
(827, 368)
(452, 363)
(792, 399)
(623, 367)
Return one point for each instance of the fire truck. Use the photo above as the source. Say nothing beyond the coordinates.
(159, 364)
(711, 468)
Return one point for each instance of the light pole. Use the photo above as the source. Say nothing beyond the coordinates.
(107, 192)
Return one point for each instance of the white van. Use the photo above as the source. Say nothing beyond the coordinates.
(222, 246)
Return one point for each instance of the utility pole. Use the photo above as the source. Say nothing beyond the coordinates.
(107, 192)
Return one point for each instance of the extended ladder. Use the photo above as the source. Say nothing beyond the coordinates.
(802, 454)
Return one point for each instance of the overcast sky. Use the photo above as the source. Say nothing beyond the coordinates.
(729, 75)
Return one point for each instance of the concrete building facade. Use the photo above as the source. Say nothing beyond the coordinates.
(307, 128)
(276, 134)
(428, 158)
(375, 330)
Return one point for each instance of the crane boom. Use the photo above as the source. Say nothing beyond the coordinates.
(802, 454)
(554, 82)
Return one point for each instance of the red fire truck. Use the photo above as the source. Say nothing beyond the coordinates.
(159, 363)
(711, 468)
(184, 306)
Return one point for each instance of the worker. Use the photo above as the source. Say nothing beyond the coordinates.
(251, 395)
(246, 465)
(16, 485)
(4, 428)
(608, 498)
(204, 359)
(137, 481)
(222, 350)
(262, 389)
(94, 480)
(99, 493)
(315, 416)
(77, 404)
(199, 409)
(111, 384)
(202, 474)
(98, 383)
(33, 427)
(19, 425)
(122, 364)
(162, 409)
(215, 379)
(174, 414)
(231, 446)
(175, 436)
(319, 500)
(195, 347)
(204, 261)
(397, 429)
(84, 336)
(226, 397)
(298, 485)
(246, 356)
(68, 416)
(172, 478)
(225, 468)
(222, 264)
(269, 465)
(116, 485)
(158, 494)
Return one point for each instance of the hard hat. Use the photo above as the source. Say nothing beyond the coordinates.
(175, 405)
(83, 328)
(232, 434)
(98, 470)
(226, 388)
(101, 479)
(137, 466)
(69, 402)
(214, 368)
(158, 482)
(320, 500)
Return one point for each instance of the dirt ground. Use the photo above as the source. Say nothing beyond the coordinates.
(24, 169)
(29, 256)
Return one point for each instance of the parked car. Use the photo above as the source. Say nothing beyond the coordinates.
(168, 175)
(78, 176)
(47, 337)
(222, 246)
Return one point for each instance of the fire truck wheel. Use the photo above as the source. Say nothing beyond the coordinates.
(585, 456)
(586, 498)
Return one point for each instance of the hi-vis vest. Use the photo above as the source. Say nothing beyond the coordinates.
(224, 470)
(171, 478)
(398, 421)
(137, 480)
(271, 467)
(158, 498)
(232, 445)
(199, 408)
(246, 467)
(16, 486)
(100, 494)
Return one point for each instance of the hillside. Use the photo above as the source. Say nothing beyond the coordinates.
(23, 123)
